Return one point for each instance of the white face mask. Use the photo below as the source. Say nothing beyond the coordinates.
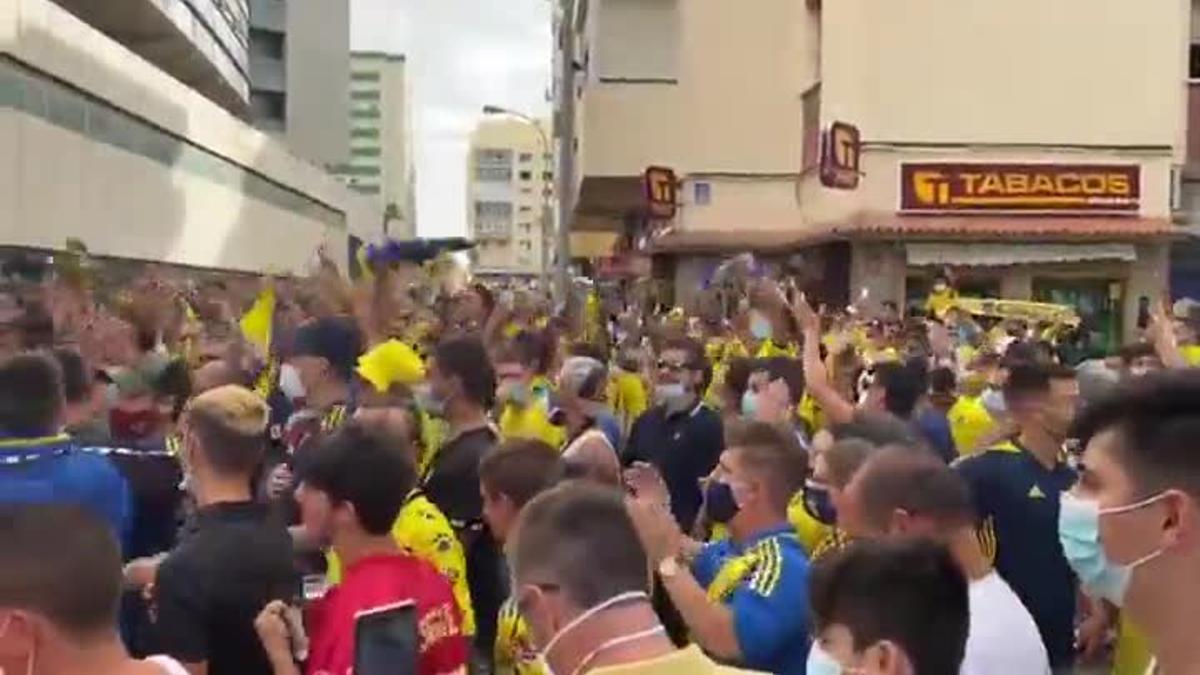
(544, 655)
(290, 383)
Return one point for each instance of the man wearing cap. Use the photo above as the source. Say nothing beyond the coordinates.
(323, 353)
(590, 452)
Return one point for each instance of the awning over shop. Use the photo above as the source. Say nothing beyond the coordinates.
(987, 254)
(593, 244)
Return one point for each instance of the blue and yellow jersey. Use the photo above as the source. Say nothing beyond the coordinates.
(770, 349)
(969, 423)
(515, 653)
(531, 422)
(423, 530)
(1017, 500)
(764, 583)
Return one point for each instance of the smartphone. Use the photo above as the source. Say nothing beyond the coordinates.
(386, 640)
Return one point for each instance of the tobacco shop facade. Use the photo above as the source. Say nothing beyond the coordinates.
(1090, 234)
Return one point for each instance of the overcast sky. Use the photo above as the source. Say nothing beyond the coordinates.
(462, 54)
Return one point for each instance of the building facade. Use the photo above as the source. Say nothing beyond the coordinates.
(202, 43)
(510, 197)
(993, 144)
(104, 146)
(300, 73)
(381, 138)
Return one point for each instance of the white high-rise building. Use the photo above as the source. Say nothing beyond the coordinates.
(381, 139)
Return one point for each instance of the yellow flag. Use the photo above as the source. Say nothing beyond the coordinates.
(256, 323)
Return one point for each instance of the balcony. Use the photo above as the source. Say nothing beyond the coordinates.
(194, 41)
(626, 127)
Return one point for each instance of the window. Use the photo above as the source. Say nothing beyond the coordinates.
(526, 157)
(489, 174)
(352, 170)
(364, 77)
(525, 228)
(1194, 61)
(702, 193)
(268, 105)
(364, 95)
(526, 191)
(364, 133)
(810, 113)
(365, 189)
(266, 44)
(526, 245)
(526, 209)
(526, 175)
(547, 175)
(365, 113)
(365, 152)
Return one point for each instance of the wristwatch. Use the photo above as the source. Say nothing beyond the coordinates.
(668, 568)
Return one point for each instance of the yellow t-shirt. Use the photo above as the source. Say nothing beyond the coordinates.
(515, 653)
(809, 530)
(1191, 354)
(969, 422)
(690, 660)
(530, 421)
(1133, 655)
(940, 302)
(423, 530)
(627, 395)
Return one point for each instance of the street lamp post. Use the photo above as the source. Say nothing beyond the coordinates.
(547, 226)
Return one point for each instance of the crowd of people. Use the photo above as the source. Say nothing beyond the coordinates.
(410, 474)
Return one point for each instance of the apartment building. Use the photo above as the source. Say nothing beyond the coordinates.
(299, 74)
(381, 138)
(1031, 147)
(509, 197)
(105, 145)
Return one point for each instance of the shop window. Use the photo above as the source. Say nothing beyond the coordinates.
(810, 112)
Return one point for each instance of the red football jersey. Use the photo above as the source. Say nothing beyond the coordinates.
(378, 581)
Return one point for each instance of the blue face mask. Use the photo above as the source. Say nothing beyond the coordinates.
(818, 502)
(749, 404)
(719, 502)
(1079, 534)
(760, 327)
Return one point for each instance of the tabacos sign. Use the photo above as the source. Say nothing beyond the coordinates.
(962, 187)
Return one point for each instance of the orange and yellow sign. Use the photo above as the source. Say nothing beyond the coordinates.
(662, 192)
(958, 187)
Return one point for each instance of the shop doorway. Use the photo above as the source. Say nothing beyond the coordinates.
(1098, 303)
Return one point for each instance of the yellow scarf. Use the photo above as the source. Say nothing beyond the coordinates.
(732, 573)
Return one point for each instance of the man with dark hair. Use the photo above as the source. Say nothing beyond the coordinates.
(1129, 527)
(461, 387)
(773, 392)
(899, 493)
(509, 477)
(1016, 488)
(350, 494)
(39, 465)
(742, 598)
(83, 398)
(889, 608)
(59, 595)
(233, 558)
(679, 436)
(581, 620)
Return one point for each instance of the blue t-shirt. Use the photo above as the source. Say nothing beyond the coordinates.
(1017, 502)
(770, 604)
(53, 470)
(934, 427)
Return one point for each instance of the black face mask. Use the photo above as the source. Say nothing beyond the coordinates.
(818, 503)
(719, 502)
